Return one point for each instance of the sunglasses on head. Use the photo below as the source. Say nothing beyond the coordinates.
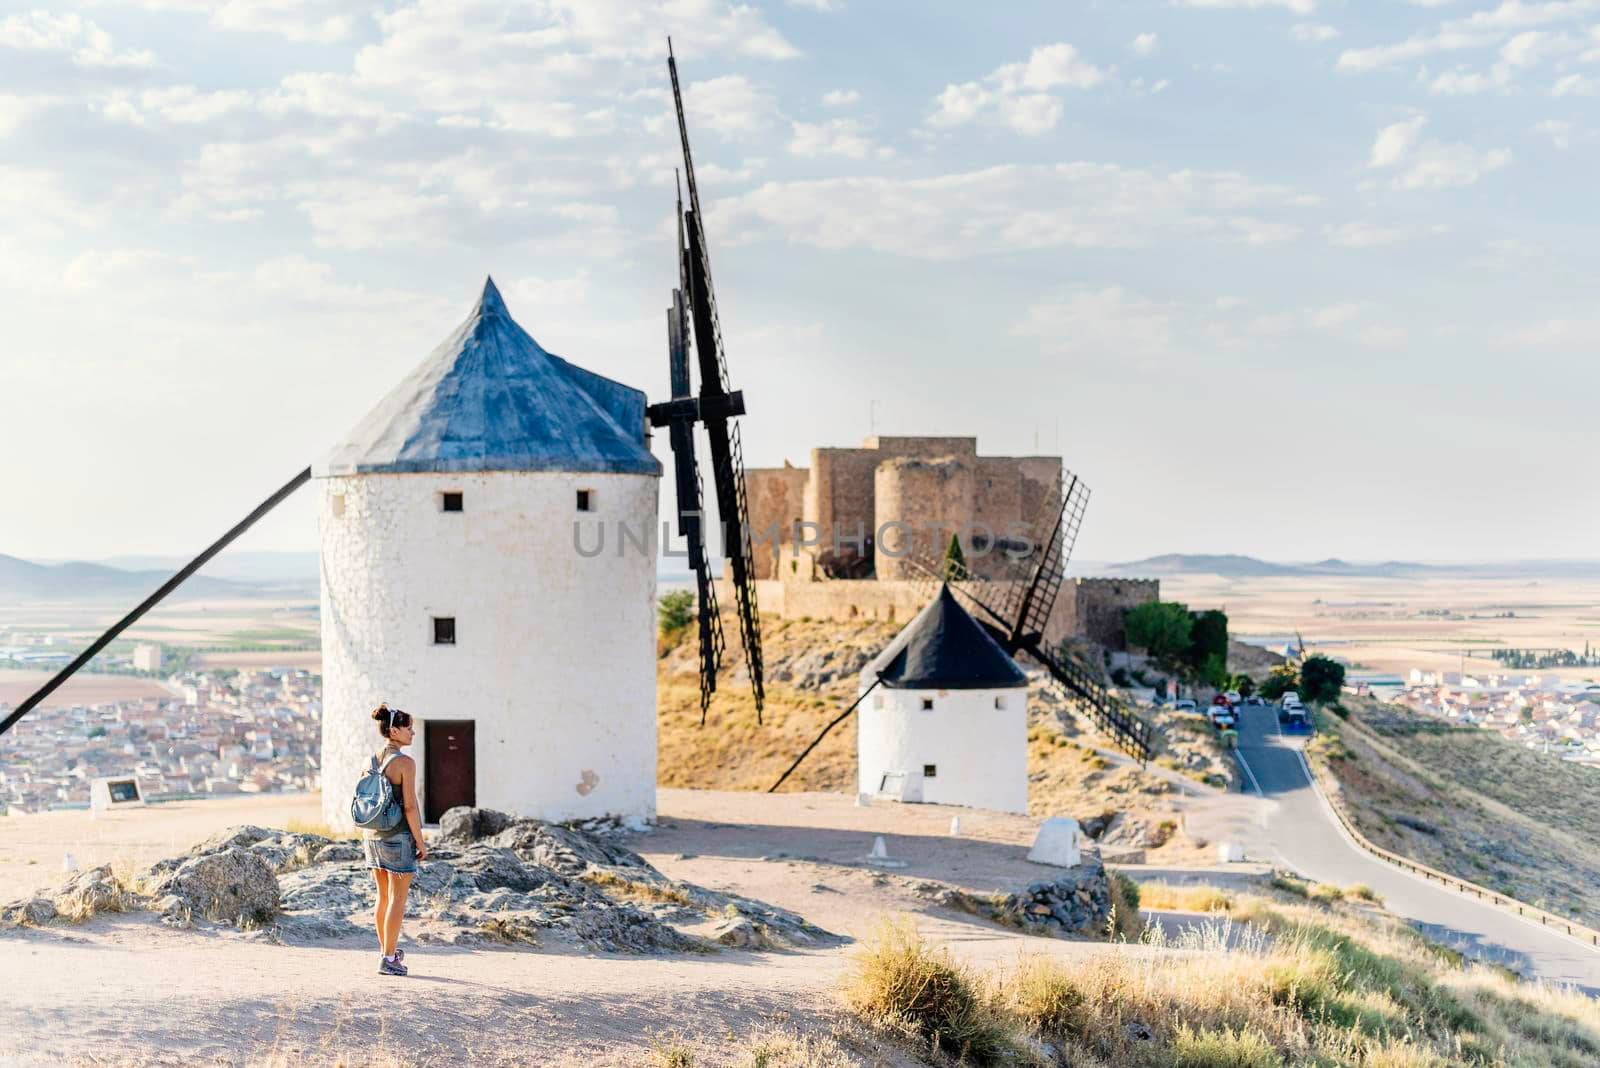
(397, 718)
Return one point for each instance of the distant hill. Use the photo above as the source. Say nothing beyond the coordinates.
(279, 569)
(1236, 566)
(85, 581)
(1191, 564)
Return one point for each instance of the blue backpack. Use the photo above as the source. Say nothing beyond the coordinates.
(376, 806)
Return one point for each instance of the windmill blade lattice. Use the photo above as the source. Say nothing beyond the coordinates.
(715, 406)
(1016, 610)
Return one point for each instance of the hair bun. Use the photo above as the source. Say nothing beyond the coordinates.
(380, 712)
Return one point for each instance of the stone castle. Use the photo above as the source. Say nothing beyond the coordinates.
(835, 540)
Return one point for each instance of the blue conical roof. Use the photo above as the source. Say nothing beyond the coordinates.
(491, 399)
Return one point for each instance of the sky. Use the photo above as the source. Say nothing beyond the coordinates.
(1293, 278)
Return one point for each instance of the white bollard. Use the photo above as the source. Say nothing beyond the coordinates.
(955, 826)
(863, 800)
(879, 857)
(69, 862)
(1230, 852)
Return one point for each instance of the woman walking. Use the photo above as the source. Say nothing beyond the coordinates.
(392, 855)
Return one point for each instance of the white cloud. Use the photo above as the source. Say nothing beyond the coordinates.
(16, 110)
(1333, 316)
(1394, 141)
(1559, 131)
(836, 137)
(1499, 26)
(318, 21)
(179, 104)
(1558, 333)
(1144, 45)
(1575, 85)
(1430, 164)
(1299, 7)
(1365, 235)
(1312, 32)
(33, 200)
(1104, 321)
(731, 105)
(840, 98)
(1018, 95)
(99, 268)
(1382, 336)
(825, 6)
(1011, 208)
(71, 35)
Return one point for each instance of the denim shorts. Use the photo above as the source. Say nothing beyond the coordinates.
(396, 853)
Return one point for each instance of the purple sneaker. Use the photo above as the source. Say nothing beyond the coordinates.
(390, 967)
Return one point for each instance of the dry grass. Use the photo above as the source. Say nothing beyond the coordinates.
(511, 930)
(322, 830)
(904, 984)
(778, 1046)
(1469, 803)
(616, 886)
(1163, 897)
(671, 1051)
(1273, 984)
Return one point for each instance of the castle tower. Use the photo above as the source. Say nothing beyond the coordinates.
(460, 582)
(948, 723)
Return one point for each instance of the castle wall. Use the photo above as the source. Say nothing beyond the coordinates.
(1094, 607)
(777, 498)
(554, 658)
(923, 480)
(845, 599)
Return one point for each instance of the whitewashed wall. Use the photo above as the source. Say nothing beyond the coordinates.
(555, 653)
(981, 751)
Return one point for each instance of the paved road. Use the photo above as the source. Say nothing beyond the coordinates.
(1299, 832)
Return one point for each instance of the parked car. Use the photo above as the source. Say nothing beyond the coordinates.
(1221, 713)
(1184, 704)
(1256, 699)
(1233, 698)
(1294, 717)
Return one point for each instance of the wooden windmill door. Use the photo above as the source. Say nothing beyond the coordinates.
(451, 772)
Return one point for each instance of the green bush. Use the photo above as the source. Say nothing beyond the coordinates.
(1321, 679)
(675, 612)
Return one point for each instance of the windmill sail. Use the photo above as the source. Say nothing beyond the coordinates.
(1016, 607)
(33, 700)
(716, 405)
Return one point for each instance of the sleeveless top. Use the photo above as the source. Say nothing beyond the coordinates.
(403, 827)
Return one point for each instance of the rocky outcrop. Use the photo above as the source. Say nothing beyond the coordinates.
(489, 877)
(233, 885)
(83, 895)
(1077, 901)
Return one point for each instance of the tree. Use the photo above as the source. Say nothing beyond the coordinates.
(1244, 684)
(675, 613)
(1208, 637)
(1214, 672)
(1280, 680)
(1321, 679)
(1160, 628)
(955, 564)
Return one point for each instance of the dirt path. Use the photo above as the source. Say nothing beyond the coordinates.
(125, 989)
